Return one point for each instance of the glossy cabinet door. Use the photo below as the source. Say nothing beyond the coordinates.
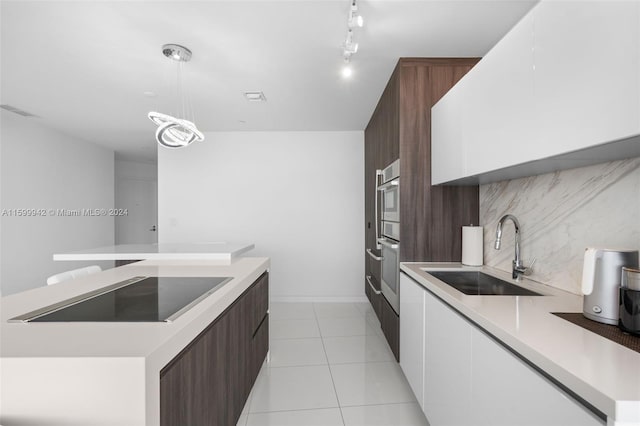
(449, 119)
(507, 391)
(566, 78)
(498, 123)
(479, 123)
(447, 366)
(587, 73)
(412, 335)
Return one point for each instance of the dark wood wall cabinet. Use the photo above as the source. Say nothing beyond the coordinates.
(431, 217)
(208, 383)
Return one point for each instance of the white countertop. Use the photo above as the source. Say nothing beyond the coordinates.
(44, 367)
(222, 251)
(602, 372)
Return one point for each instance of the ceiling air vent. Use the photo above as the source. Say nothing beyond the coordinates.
(17, 111)
(255, 96)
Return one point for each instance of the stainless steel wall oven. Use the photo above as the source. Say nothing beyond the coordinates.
(389, 240)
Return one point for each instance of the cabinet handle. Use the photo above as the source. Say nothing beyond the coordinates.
(371, 285)
(378, 174)
(370, 253)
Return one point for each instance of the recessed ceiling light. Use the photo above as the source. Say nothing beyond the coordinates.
(149, 94)
(347, 71)
(255, 96)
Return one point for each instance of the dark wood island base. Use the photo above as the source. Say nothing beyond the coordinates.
(208, 382)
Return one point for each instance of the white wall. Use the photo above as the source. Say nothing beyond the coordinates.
(560, 215)
(41, 168)
(299, 196)
(126, 169)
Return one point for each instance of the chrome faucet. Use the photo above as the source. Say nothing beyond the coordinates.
(518, 266)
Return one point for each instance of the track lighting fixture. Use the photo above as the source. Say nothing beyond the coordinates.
(350, 46)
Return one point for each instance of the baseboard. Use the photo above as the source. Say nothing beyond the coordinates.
(319, 299)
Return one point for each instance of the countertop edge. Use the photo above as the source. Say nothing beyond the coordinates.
(92, 255)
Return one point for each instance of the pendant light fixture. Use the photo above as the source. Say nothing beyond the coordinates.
(179, 131)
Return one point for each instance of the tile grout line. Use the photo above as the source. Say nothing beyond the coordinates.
(295, 410)
(329, 365)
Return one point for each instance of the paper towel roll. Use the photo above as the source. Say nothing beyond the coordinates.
(472, 245)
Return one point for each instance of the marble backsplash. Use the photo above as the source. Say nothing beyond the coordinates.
(561, 214)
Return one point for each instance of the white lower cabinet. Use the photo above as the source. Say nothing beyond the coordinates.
(507, 391)
(447, 366)
(412, 334)
(468, 378)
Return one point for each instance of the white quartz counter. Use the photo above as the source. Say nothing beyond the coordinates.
(102, 373)
(220, 251)
(603, 373)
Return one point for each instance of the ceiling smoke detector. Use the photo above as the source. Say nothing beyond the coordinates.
(255, 96)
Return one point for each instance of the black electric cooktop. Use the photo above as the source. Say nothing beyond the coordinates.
(140, 299)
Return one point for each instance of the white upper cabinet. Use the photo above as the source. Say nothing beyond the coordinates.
(500, 103)
(448, 155)
(565, 78)
(586, 73)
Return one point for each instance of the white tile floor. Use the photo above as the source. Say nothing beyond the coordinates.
(329, 365)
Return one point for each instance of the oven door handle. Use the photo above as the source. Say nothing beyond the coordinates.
(371, 285)
(370, 253)
(388, 243)
(388, 185)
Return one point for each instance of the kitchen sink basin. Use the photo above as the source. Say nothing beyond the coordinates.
(481, 284)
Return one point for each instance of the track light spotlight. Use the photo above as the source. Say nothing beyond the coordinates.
(347, 71)
(350, 46)
(355, 21)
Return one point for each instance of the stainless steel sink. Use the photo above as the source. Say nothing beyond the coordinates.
(481, 284)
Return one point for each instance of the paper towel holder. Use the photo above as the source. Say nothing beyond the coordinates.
(472, 245)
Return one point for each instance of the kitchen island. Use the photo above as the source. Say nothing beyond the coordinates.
(109, 373)
(514, 361)
(219, 251)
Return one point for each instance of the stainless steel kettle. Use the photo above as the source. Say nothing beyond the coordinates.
(601, 278)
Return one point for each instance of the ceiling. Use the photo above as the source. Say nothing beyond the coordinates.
(83, 67)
